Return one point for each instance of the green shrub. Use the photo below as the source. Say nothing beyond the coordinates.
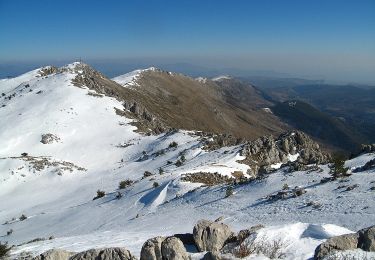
(99, 194)
(125, 183)
(173, 145)
(23, 217)
(155, 184)
(183, 159)
(4, 250)
(338, 168)
(161, 171)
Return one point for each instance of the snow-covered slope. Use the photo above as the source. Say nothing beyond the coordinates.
(94, 148)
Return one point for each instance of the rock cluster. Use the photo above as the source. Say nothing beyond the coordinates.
(265, 151)
(364, 239)
(368, 148)
(112, 253)
(212, 236)
(159, 248)
(49, 138)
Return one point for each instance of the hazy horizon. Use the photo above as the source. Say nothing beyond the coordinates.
(323, 40)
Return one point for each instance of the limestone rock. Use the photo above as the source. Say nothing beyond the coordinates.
(173, 249)
(113, 253)
(54, 254)
(211, 236)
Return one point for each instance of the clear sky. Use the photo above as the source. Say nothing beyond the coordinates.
(333, 39)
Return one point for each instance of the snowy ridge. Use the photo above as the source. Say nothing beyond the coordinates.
(221, 77)
(55, 183)
(129, 79)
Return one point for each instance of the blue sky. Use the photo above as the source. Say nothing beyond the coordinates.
(322, 38)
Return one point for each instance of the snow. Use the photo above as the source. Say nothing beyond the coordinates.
(221, 77)
(201, 79)
(90, 133)
(129, 79)
(293, 157)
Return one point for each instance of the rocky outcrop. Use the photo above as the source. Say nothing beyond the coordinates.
(173, 249)
(368, 148)
(54, 254)
(151, 249)
(266, 151)
(49, 138)
(211, 236)
(364, 239)
(113, 253)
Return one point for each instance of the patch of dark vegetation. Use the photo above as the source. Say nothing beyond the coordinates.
(22, 217)
(125, 183)
(4, 250)
(173, 144)
(99, 194)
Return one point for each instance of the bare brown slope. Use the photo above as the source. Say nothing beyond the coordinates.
(183, 102)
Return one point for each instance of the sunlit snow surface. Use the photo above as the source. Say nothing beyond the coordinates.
(92, 136)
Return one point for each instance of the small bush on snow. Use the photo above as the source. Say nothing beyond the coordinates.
(271, 249)
(173, 145)
(4, 250)
(23, 217)
(125, 183)
(155, 184)
(99, 194)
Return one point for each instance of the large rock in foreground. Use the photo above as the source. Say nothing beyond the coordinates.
(114, 253)
(364, 239)
(211, 236)
(151, 249)
(54, 254)
(173, 249)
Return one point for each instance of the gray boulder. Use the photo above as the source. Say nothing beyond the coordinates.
(343, 242)
(173, 249)
(113, 253)
(54, 254)
(366, 239)
(151, 249)
(211, 236)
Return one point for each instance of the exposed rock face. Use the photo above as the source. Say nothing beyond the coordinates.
(49, 138)
(211, 236)
(364, 239)
(267, 150)
(151, 249)
(367, 239)
(54, 254)
(173, 249)
(114, 253)
(368, 148)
